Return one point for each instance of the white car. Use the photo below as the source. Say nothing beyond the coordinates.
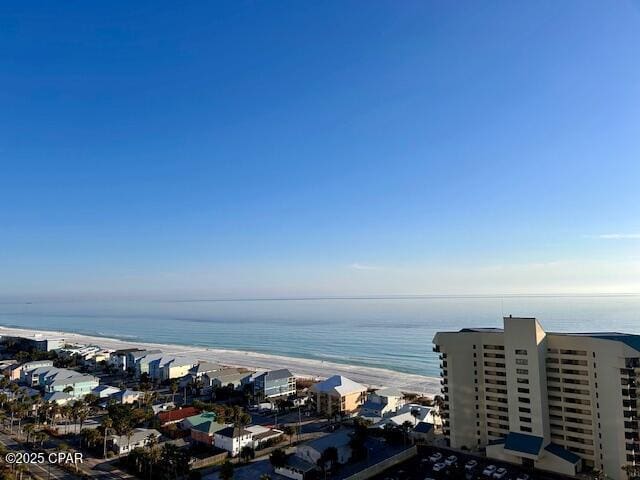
(500, 473)
(470, 465)
(438, 467)
(435, 457)
(488, 471)
(450, 460)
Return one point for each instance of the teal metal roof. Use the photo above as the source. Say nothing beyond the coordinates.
(519, 442)
(562, 453)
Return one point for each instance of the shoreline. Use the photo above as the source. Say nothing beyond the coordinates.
(369, 376)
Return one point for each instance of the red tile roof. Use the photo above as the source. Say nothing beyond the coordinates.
(177, 415)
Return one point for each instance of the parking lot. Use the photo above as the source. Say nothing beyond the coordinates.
(433, 463)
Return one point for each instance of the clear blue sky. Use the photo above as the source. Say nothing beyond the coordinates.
(300, 148)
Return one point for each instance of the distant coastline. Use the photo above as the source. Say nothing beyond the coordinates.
(370, 376)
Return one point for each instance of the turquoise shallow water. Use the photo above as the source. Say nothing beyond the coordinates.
(393, 333)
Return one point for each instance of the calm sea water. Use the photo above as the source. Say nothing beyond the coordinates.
(388, 333)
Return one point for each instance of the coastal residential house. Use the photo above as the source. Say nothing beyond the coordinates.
(37, 342)
(274, 384)
(338, 395)
(162, 367)
(297, 469)
(227, 376)
(104, 391)
(126, 397)
(261, 435)
(7, 363)
(59, 398)
(203, 427)
(202, 368)
(176, 416)
(382, 403)
(119, 358)
(233, 439)
(21, 392)
(10, 368)
(422, 433)
(52, 379)
(137, 360)
(412, 413)
(140, 437)
(82, 352)
(80, 385)
(162, 407)
(169, 367)
(19, 371)
(102, 355)
(312, 451)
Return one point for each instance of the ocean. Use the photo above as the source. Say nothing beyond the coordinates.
(392, 333)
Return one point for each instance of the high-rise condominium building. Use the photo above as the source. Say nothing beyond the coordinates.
(554, 401)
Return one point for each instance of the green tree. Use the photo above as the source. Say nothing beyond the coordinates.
(28, 429)
(247, 453)
(328, 459)
(174, 389)
(278, 458)
(290, 431)
(226, 471)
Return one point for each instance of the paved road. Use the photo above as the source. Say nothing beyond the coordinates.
(45, 471)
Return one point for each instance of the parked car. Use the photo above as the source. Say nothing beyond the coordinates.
(500, 473)
(435, 457)
(488, 471)
(470, 465)
(438, 467)
(450, 460)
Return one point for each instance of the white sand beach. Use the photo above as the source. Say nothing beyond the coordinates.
(372, 377)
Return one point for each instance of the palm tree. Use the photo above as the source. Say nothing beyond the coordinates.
(406, 427)
(174, 389)
(36, 404)
(241, 419)
(55, 412)
(290, 431)
(226, 471)
(40, 437)
(278, 458)
(107, 423)
(28, 429)
(82, 415)
(21, 411)
(65, 413)
(247, 453)
(328, 457)
(12, 409)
